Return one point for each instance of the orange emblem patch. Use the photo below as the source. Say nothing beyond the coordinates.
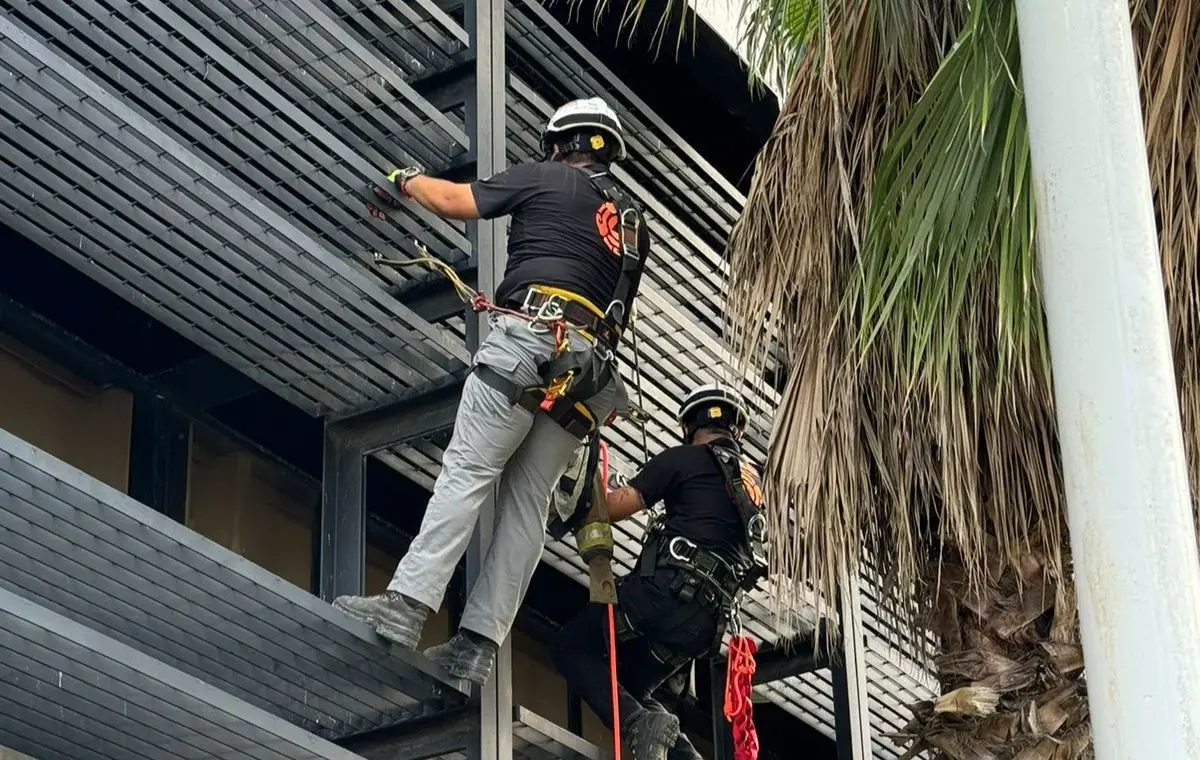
(752, 483)
(608, 225)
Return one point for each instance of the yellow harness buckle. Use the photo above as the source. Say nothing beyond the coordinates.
(558, 388)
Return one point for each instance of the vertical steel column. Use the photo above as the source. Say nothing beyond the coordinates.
(1124, 463)
(722, 733)
(486, 123)
(159, 453)
(343, 555)
(851, 710)
(574, 712)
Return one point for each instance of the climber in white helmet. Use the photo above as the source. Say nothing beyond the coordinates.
(577, 245)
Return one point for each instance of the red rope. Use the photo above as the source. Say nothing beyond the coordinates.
(612, 633)
(612, 676)
(739, 710)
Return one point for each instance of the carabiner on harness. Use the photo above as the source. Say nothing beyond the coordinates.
(558, 388)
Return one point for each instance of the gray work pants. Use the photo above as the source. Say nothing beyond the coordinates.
(495, 440)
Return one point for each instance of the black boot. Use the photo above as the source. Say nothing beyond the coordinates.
(465, 656)
(650, 735)
(683, 750)
(394, 617)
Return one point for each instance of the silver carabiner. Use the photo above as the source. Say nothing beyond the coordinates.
(735, 617)
(674, 551)
(551, 310)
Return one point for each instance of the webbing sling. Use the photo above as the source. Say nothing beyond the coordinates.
(729, 461)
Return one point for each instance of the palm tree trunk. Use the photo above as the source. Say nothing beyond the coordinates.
(1010, 666)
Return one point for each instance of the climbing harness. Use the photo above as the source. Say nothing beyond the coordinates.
(568, 380)
(711, 576)
(747, 497)
(739, 684)
(718, 582)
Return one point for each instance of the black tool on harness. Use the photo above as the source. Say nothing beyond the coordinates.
(571, 377)
(559, 527)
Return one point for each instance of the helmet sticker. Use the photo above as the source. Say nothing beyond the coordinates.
(597, 142)
(714, 412)
(607, 225)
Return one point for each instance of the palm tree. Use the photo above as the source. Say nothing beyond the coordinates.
(887, 253)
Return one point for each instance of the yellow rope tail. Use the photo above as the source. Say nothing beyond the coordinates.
(426, 259)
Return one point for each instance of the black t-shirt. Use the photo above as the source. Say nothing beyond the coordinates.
(689, 482)
(564, 234)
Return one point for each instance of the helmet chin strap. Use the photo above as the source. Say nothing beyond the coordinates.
(576, 144)
(689, 433)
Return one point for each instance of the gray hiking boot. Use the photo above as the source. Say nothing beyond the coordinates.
(464, 658)
(391, 615)
(650, 735)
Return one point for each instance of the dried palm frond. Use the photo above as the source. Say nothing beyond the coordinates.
(793, 254)
(1167, 36)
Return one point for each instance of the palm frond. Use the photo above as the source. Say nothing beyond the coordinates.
(1167, 36)
(792, 255)
(949, 297)
(776, 34)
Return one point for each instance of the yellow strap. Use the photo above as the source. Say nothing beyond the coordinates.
(567, 295)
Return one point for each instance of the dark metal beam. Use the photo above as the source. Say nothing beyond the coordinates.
(789, 659)
(451, 86)
(722, 734)
(410, 415)
(433, 297)
(63, 347)
(343, 556)
(574, 712)
(206, 380)
(446, 733)
(487, 127)
(343, 552)
(159, 452)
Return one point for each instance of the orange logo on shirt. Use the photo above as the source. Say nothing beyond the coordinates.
(608, 224)
(752, 483)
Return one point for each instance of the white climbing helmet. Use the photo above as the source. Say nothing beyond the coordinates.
(713, 404)
(584, 115)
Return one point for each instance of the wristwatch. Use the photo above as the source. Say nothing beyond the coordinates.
(401, 176)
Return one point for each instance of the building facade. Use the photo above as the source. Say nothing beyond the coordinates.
(218, 412)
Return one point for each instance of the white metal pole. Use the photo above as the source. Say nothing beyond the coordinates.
(1131, 524)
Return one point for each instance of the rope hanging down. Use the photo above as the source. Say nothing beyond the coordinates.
(739, 710)
(612, 635)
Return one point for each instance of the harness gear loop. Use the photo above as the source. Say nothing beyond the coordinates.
(739, 685)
